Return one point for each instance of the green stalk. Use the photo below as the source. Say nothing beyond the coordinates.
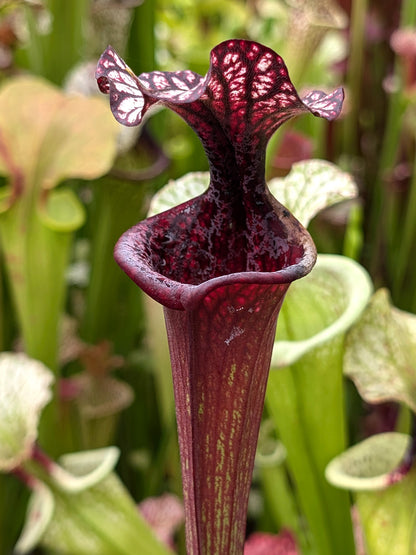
(353, 238)
(116, 207)
(408, 13)
(158, 343)
(142, 44)
(407, 238)
(305, 393)
(306, 402)
(12, 494)
(283, 406)
(355, 72)
(36, 260)
(380, 226)
(64, 46)
(37, 222)
(412, 306)
(319, 383)
(279, 497)
(53, 53)
(384, 223)
(35, 53)
(402, 234)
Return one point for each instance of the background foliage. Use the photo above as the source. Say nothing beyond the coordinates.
(106, 326)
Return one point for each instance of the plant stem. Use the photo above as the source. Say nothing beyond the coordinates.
(116, 206)
(405, 240)
(35, 54)
(353, 238)
(306, 403)
(283, 406)
(141, 45)
(355, 72)
(384, 224)
(280, 502)
(408, 13)
(64, 46)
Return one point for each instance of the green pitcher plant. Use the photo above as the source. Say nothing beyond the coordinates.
(380, 358)
(45, 137)
(78, 506)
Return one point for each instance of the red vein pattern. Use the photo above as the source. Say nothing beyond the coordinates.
(220, 264)
(244, 97)
(247, 89)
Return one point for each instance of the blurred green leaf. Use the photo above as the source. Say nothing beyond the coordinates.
(388, 518)
(63, 211)
(311, 186)
(84, 469)
(367, 465)
(177, 191)
(333, 296)
(380, 354)
(386, 512)
(39, 514)
(45, 137)
(83, 508)
(24, 391)
(99, 519)
(48, 136)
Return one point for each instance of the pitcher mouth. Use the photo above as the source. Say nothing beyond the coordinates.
(151, 271)
(235, 232)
